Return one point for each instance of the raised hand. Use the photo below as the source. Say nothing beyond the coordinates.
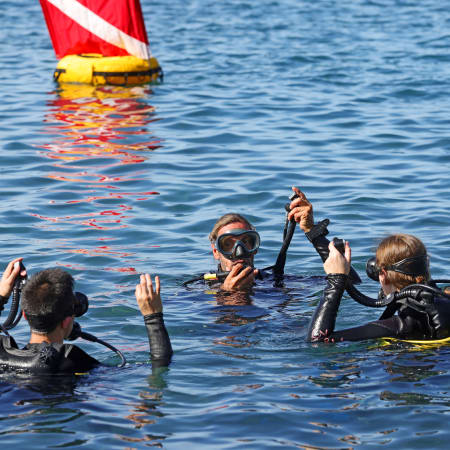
(301, 211)
(148, 297)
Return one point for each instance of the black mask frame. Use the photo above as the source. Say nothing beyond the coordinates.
(414, 266)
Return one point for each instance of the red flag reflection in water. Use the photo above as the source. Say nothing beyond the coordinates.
(107, 127)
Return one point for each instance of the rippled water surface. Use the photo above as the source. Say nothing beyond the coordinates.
(348, 100)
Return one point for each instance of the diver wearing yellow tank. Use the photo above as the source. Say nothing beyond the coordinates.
(416, 309)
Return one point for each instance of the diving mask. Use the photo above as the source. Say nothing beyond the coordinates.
(414, 266)
(238, 244)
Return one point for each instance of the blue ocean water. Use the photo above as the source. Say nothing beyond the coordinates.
(349, 101)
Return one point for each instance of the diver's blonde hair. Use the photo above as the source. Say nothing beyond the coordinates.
(225, 220)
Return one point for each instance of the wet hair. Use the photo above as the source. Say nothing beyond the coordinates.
(47, 299)
(225, 220)
(395, 248)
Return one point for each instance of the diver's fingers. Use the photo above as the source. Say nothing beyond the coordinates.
(244, 273)
(298, 192)
(301, 197)
(235, 270)
(300, 212)
(332, 248)
(348, 252)
(139, 288)
(149, 282)
(158, 285)
(12, 268)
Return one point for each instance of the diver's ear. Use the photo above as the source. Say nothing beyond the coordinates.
(383, 277)
(215, 251)
(385, 282)
(65, 323)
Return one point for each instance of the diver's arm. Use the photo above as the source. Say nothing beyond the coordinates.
(149, 301)
(317, 238)
(323, 321)
(337, 267)
(158, 338)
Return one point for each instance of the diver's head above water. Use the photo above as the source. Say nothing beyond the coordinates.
(234, 241)
(401, 260)
(50, 305)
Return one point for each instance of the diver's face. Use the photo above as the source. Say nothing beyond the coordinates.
(69, 327)
(225, 263)
(386, 285)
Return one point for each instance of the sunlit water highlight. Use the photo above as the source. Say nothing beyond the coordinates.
(348, 100)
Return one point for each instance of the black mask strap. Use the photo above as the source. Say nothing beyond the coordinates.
(414, 266)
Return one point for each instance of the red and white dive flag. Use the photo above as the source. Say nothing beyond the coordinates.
(108, 27)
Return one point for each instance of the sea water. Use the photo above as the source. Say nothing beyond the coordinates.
(347, 100)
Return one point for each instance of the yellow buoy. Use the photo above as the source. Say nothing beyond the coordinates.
(97, 70)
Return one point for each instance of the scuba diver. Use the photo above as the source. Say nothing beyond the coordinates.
(235, 242)
(50, 306)
(416, 309)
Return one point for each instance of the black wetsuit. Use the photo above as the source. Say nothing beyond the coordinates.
(409, 322)
(47, 358)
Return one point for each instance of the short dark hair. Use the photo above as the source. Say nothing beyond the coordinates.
(225, 220)
(47, 299)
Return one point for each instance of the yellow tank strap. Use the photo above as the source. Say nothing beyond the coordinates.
(419, 342)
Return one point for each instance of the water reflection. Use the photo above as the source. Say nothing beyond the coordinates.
(414, 368)
(99, 136)
(146, 410)
(95, 130)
